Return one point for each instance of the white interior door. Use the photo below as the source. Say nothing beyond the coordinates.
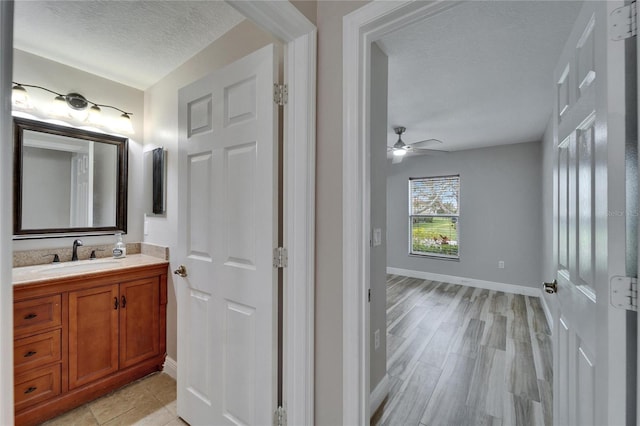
(228, 192)
(589, 210)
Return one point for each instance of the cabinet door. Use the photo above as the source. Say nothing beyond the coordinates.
(93, 334)
(139, 320)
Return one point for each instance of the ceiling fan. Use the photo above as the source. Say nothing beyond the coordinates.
(400, 148)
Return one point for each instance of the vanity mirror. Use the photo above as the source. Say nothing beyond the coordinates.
(67, 181)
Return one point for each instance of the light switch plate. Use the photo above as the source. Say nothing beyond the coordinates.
(377, 237)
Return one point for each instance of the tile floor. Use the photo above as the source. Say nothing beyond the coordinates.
(148, 401)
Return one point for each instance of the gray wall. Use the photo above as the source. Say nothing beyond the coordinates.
(378, 271)
(500, 203)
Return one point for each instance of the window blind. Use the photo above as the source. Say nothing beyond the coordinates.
(434, 196)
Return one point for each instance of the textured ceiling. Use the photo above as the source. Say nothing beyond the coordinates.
(133, 42)
(479, 74)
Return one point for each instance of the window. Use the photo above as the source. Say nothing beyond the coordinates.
(434, 216)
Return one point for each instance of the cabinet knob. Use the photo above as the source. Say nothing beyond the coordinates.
(181, 271)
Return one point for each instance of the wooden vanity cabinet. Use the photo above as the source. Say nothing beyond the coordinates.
(90, 335)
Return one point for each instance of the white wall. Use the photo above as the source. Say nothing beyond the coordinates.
(378, 271)
(328, 300)
(500, 204)
(40, 190)
(161, 130)
(32, 69)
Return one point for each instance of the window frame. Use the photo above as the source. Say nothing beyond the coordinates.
(440, 256)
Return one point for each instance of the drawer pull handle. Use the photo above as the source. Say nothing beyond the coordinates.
(123, 304)
(30, 316)
(31, 389)
(30, 354)
(115, 303)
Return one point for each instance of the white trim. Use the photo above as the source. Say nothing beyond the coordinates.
(470, 282)
(360, 28)
(6, 213)
(547, 311)
(379, 394)
(287, 23)
(170, 367)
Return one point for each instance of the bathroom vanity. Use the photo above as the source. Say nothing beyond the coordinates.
(83, 329)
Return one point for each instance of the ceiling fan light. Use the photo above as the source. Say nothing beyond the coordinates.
(399, 152)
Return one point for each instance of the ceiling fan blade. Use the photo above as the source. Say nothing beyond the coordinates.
(421, 144)
(424, 151)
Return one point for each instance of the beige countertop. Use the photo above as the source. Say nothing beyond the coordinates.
(40, 273)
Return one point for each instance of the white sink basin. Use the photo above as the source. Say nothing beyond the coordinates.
(83, 266)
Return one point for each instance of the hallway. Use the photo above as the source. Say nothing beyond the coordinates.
(462, 355)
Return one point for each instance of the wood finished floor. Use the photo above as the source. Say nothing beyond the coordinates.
(465, 356)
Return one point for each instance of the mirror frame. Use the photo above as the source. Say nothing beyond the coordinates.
(122, 145)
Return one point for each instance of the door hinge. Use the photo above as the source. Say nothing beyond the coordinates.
(280, 257)
(280, 94)
(624, 22)
(369, 295)
(280, 417)
(624, 293)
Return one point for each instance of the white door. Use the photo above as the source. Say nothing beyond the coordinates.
(228, 192)
(589, 223)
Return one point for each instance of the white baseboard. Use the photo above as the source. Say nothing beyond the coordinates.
(378, 395)
(547, 311)
(489, 285)
(171, 367)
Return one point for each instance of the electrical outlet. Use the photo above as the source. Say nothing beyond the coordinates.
(376, 339)
(501, 264)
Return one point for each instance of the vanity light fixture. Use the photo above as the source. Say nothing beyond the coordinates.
(72, 105)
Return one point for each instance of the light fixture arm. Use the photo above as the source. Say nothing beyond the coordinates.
(73, 96)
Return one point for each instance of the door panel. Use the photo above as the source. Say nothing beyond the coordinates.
(227, 305)
(589, 358)
(139, 316)
(93, 334)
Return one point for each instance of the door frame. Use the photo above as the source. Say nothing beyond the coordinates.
(360, 28)
(6, 213)
(299, 35)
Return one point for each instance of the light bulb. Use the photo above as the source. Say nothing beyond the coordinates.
(124, 124)
(95, 115)
(399, 152)
(20, 97)
(59, 107)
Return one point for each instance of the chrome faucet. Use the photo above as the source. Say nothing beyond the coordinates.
(74, 255)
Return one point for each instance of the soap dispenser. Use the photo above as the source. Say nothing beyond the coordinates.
(120, 249)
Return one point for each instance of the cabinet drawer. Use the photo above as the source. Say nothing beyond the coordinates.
(36, 314)
(34, 351)
(36, 386)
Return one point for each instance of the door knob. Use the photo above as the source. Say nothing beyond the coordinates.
(551, 288)
(181, 271)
